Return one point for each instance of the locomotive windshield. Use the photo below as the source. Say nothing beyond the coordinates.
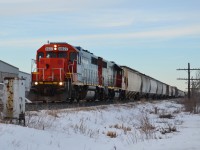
(40, 55)
(62, 55)
(51, 55)
(72, 56)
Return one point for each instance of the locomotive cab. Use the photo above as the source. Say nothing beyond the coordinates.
(55, 65)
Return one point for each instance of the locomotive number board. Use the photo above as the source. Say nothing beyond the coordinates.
(55, 48)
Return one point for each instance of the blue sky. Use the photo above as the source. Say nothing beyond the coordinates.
(154, 37)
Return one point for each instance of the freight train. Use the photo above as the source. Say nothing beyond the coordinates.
(67, 73)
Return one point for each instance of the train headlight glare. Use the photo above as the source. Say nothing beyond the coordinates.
(36, 83)
(60, 83)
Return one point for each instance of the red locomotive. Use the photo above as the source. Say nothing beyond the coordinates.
(64, 72)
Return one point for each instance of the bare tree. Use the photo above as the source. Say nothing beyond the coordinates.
(194, 103)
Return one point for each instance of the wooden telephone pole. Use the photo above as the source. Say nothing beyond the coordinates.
(188, 79)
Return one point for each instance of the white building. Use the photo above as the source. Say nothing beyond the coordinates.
(7, 70)
(27, 77)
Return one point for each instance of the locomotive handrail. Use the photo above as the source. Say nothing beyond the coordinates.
(61, 69)
(72, 68)
(43, 69)
(42, 73)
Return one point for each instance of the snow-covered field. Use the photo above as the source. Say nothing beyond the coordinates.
(139, 125)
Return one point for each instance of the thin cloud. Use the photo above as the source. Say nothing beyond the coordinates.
(156, 34)
(168, 33)
(31, 7)
(165, 33)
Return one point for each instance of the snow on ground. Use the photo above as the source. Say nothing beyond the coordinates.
(139, 125)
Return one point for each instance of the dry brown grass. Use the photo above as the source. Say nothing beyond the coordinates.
(122, 127)
(192, 105)
(53, 113)
(111, 134)
(146, 127)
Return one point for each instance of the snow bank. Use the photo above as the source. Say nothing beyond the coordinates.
(115, 127)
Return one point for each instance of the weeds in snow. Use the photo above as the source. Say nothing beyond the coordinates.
(192, 105)
(146, 127)
(129, 127)
(53, 113)
(125, 129)
(168, 129)
(41, 122)
(112, 134)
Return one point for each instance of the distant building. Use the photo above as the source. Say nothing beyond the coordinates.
(7, 70)
(27, 77)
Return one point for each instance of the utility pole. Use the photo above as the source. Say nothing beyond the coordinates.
(189, 79)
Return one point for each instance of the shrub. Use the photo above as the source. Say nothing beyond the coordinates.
(112, 134)
(192, 105)
(146, 126)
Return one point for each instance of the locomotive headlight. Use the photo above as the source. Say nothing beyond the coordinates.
(55, 47)
(60, 83)
(36, 83)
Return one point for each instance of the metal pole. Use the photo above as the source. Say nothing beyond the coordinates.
(188, 80)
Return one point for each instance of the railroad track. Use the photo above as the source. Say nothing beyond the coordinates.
(65, 105)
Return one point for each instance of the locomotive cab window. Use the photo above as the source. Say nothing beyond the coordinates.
(62, 55)
(40, 55)
(51, 55)
(72, 56)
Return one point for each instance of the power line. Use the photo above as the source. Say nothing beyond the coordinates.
(186, 79)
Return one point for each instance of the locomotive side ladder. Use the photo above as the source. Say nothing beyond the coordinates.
(69, 80)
